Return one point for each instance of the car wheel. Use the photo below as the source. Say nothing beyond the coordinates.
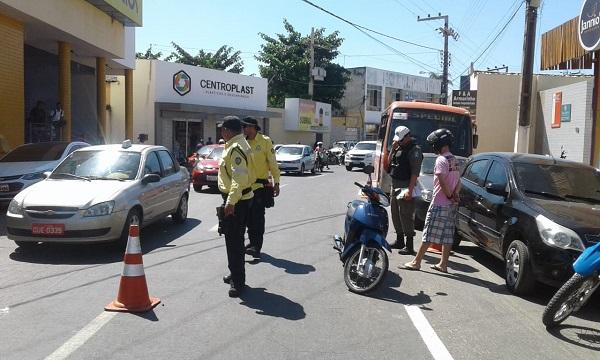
(26, 245)
(197, 188)
(180, 215)
(519, 277)
(302, 169)
(349, 168)
(457, 240)
(133, 218)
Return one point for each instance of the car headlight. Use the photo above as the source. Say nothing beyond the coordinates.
(101, 209)
(15, 208)
(557, 235)
(35, 176)
(199, 167)
(427, 195)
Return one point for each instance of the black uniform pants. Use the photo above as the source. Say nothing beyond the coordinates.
(256, 219)
(234, 227)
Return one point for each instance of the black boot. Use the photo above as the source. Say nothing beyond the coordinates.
(399, 244)
(235, 289)
(227, 279)
(408, 249)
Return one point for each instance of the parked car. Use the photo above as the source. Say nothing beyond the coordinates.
(97, 192)
(536, 213)
(206, 170)
(425, 187)
(341, 147)
(26, 165)
(277, 146)
(296, 158)
(361, 155)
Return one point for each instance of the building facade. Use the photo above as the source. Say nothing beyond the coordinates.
(61, 51)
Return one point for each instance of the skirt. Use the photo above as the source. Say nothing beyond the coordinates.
(440, 224)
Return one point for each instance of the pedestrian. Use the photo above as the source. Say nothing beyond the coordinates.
(209, 141)
(440, 221)
(221, 142)
(235, 179)
(405, 166)
(265, 164)
(57, 121)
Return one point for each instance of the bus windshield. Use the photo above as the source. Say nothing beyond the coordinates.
(423, 122)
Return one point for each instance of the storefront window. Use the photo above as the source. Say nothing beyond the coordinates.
(373, 98)
(186, 136)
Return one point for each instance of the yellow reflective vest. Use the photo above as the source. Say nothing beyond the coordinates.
(264, 159)
(236, 170)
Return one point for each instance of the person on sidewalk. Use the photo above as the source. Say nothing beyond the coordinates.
(405, 166)
(236, 176)
(440, 221)
(265, 164)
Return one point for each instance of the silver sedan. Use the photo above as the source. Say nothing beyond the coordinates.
(97, 192)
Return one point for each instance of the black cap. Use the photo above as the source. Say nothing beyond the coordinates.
(232, 123)
(250, 121)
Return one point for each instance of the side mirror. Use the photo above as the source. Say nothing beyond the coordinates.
(369, 169)
(150, 178)
(46, 174)
(496, 189)
(475, 141)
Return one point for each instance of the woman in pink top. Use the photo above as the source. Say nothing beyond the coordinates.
(440, 221)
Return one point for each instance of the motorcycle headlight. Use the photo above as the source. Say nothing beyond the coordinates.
(101, 209)
(35, 176)
(557, 235)
(427, 195)
(15, 208)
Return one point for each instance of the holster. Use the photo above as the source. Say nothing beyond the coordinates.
(221, 217)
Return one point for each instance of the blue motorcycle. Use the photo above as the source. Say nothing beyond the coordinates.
(362, 247)
(577, 290)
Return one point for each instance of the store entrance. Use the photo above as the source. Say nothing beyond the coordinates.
(186, 135)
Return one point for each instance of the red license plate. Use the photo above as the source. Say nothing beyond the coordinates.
(48, 229)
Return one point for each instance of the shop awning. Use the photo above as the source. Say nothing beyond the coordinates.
(561, 49)
(192, 111)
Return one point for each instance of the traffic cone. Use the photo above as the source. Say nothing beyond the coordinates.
(437, 249)
(133, 291)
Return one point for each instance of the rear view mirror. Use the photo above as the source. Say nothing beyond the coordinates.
(369, 169)
(150, 178)
(496, 189)
(475, 141)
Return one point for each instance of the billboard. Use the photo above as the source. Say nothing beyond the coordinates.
(466, 99)
(307, 115)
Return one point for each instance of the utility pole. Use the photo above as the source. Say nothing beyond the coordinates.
(311, 81)
(522, 140)
(446, 33)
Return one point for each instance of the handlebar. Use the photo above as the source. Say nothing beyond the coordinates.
(359, 185)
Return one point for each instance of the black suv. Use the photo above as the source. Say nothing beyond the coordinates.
(534, 212)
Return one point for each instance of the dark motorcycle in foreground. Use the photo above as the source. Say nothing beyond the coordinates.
(577, 290)
(362, 249)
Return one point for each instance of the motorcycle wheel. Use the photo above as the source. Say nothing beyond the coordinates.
(376, 260)
(569, 299)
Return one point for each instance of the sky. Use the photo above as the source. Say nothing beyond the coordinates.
(209, 24)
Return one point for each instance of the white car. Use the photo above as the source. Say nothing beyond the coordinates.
(361, 155)
(26, 165)
(296, 158)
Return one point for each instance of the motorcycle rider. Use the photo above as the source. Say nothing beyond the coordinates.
(320, 152)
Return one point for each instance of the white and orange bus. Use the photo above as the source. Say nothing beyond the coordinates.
(421, 118)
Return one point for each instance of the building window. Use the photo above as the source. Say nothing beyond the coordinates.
(373, 98)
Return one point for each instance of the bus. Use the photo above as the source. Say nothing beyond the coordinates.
(421, 118)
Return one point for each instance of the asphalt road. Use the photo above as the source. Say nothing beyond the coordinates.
(296, 306)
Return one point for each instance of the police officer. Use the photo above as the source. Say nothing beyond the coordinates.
(265, 163)
(405, 166)
(236, 176)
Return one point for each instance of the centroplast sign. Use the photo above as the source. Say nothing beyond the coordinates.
(177, 83)
(589, 25)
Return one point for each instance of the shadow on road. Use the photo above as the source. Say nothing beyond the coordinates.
(269, 304)
(289, 266)
(155, 236)
(578, 335)
(3, 209)
(149, 315)
(387, 292)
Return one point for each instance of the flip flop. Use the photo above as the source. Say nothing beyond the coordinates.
(411, 266)
(438, 268)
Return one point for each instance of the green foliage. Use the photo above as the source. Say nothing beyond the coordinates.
(285, 60)
(223, 59)
(149, 55)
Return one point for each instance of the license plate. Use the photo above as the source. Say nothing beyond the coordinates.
(48, 229)
(211, 177)
(4, 188)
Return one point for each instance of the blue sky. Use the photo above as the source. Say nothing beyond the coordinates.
(205, 24)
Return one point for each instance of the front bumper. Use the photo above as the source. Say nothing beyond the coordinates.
(550, 265)
(78, 229)
(289, 166)
(208, 178)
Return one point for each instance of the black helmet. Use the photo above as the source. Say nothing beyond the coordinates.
(440, 138)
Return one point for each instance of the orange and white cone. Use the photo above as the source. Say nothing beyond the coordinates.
(437, 249)
(133, 290)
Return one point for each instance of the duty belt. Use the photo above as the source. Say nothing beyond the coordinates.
(262, 181)
(246, 190)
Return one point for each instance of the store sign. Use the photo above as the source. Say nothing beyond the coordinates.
(193, 85)
(128, 12)
(307, 115)
(466, 99)
(565, 113)
(589, 25)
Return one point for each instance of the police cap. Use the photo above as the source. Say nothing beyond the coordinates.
(232, 123)
(250, 121)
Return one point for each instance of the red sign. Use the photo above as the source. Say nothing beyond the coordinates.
(557, 98)
(48, 229)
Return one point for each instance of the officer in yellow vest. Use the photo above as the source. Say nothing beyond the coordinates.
(236, 176)
(264, 160)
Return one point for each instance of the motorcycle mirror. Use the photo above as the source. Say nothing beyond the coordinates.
(369, 169)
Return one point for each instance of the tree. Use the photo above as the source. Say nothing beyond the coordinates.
(436, 76)
(223, 59)
(149, 55)
(285, 60)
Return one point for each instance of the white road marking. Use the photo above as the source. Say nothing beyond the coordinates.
(317, 176)
(4, 311)
(81, 337)
(434, 344)
(282, 186)
(214, 228)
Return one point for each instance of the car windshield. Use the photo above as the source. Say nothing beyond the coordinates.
(288, 150)
(217, 153)
(427, 165)
(205, 150)
(36, 152)
(559, 181)
(99, 165)
(365, 146)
